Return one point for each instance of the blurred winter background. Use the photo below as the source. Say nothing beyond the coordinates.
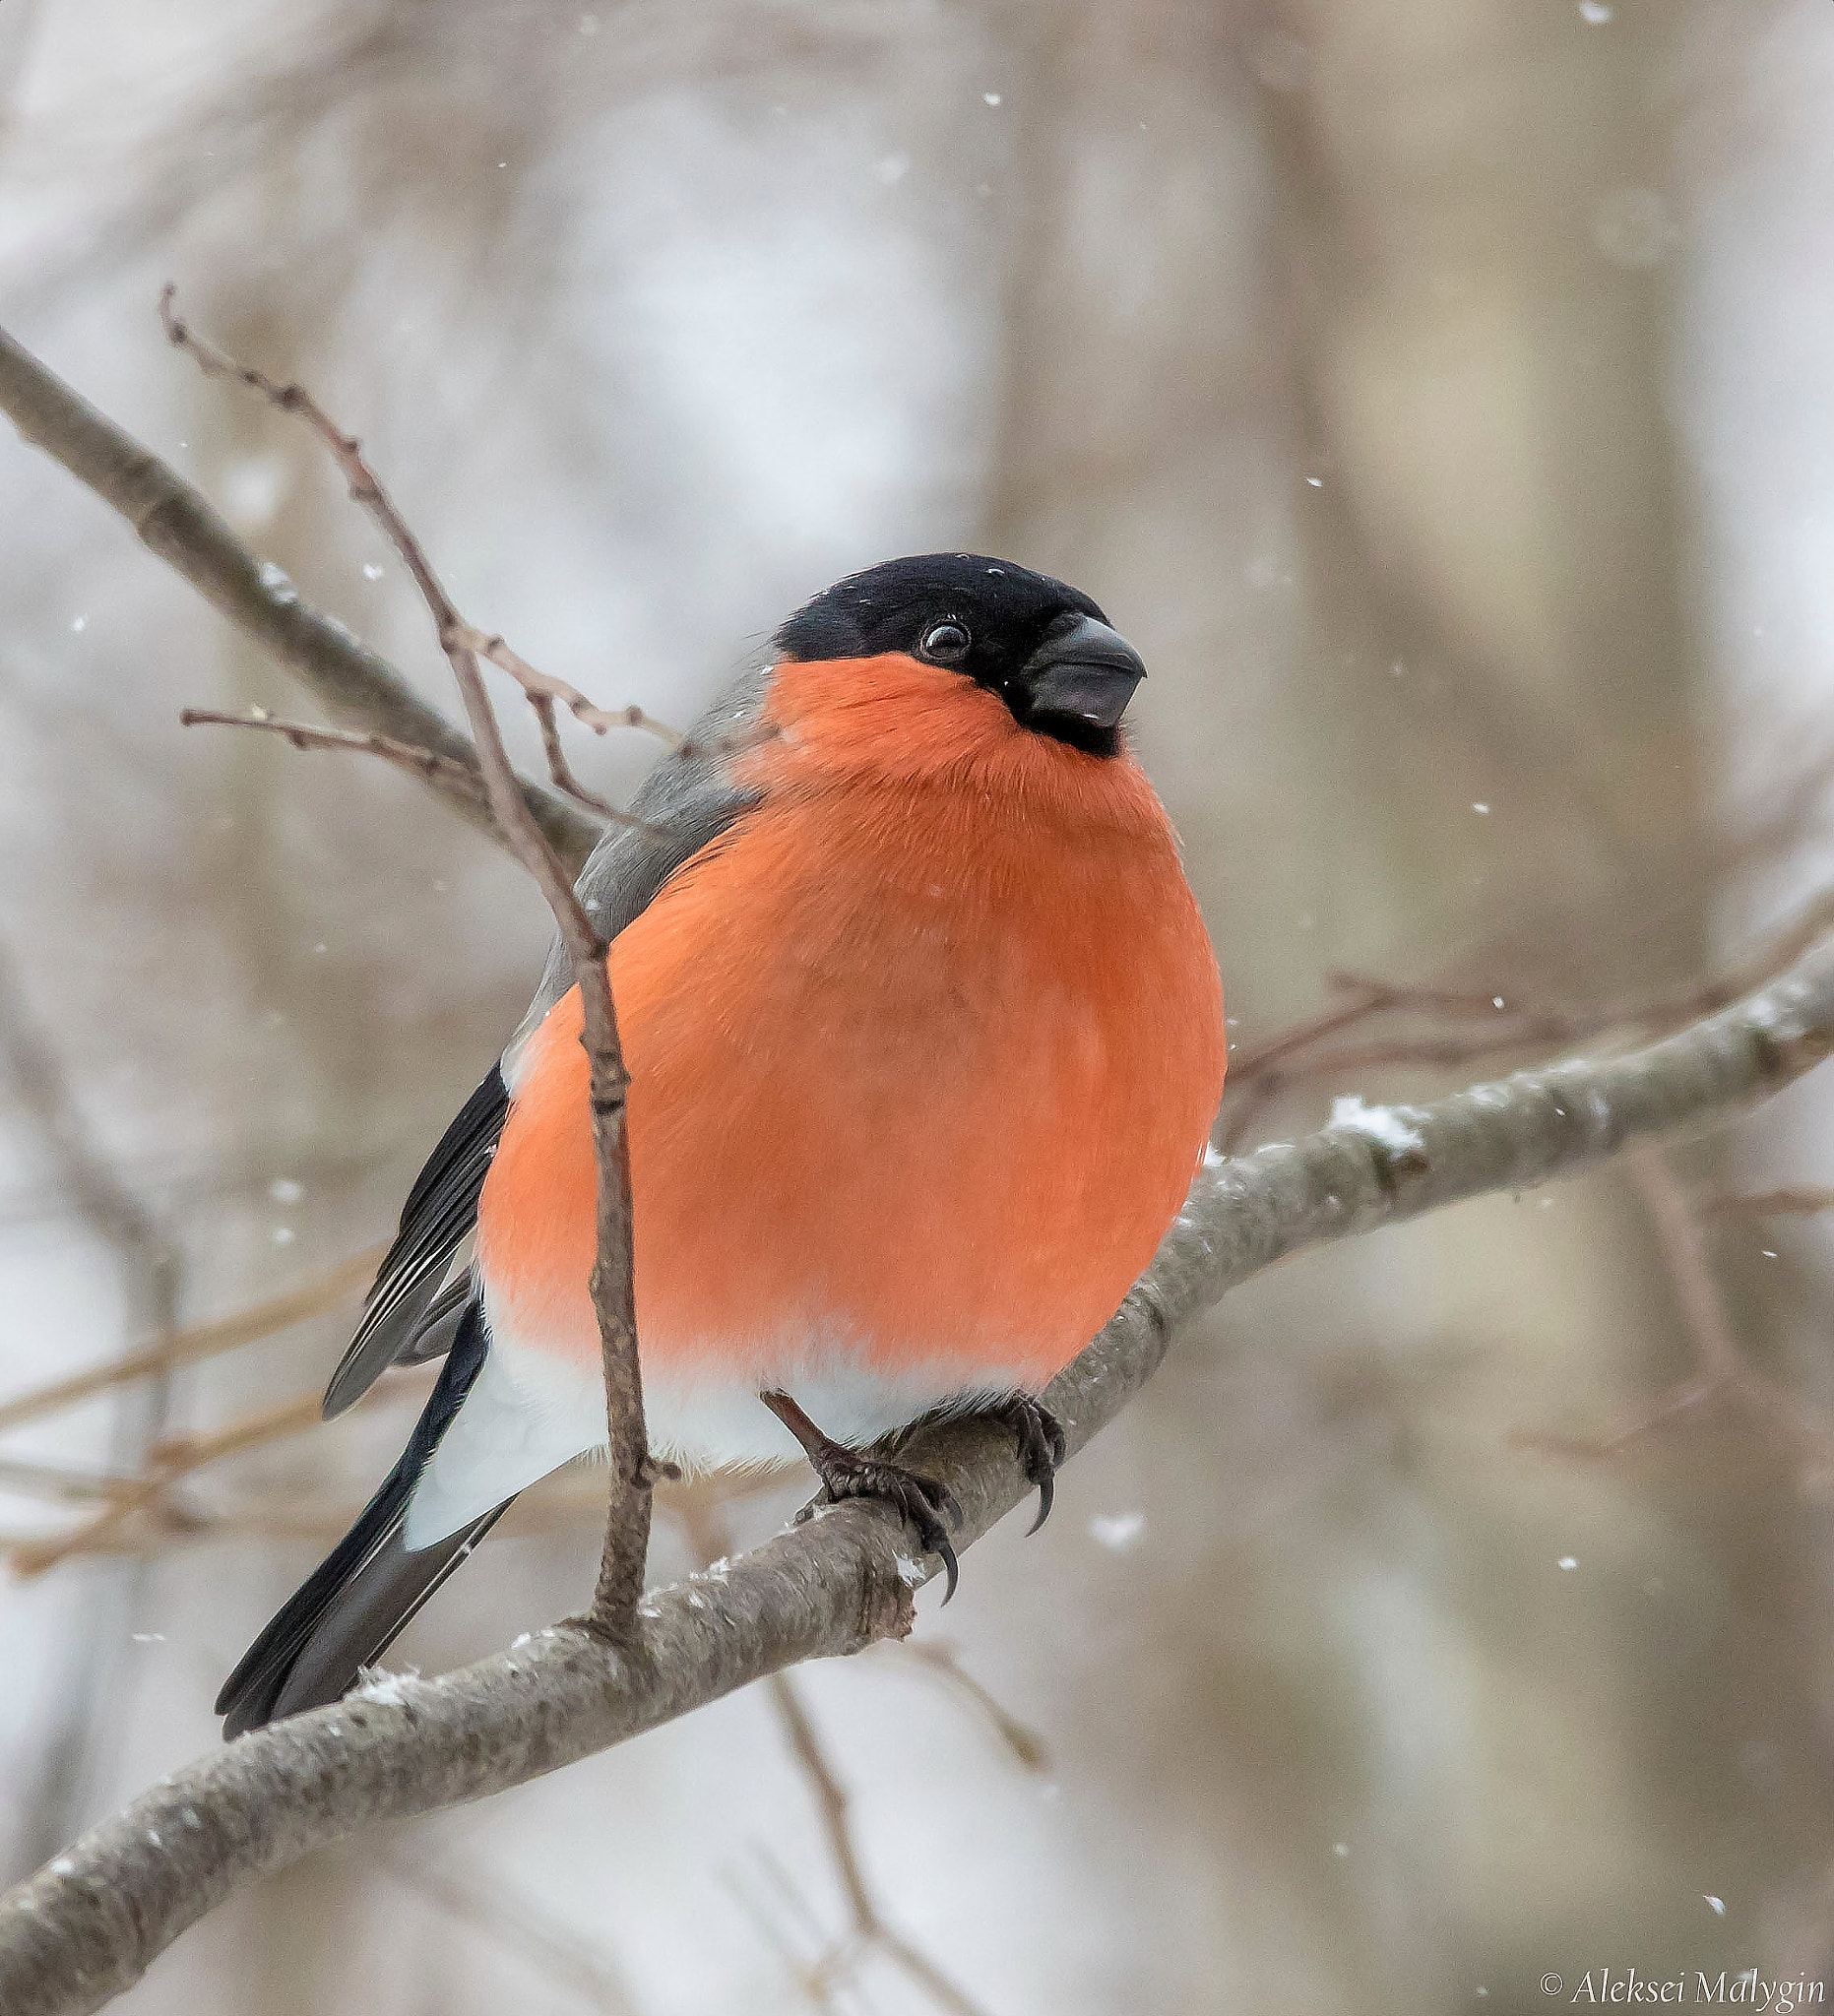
(1436, 391)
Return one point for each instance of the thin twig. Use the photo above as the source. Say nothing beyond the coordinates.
(61, 1482)
(175, 519)
(457, 777)
(1503, 1027)
(459, 640)
(627, 1526)
(937, 1655)
(545, 687)
(1804, 1201)
(558, 1502)
(1372, 997)
(516, 1923)
(167, 1462)
(189, 1347)
(869, 1929)
(1721, 1371)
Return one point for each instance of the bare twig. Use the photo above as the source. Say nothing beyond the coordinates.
(938, 1657)
(461, 641)
(151, 1266)
(455, 778)
(1367, 998)
(1804, 1201)
(356, 685)
(176, 1457)
(1721, 1371)
(89, 1925)
(627, 1526)
(702, 1513)
(139, 1517)
(188, 1346)
(559, 1502)
(870, 1931)
(516, 1923)
(771, 1914)
(545, 689)
(1501, 1028)
(408, 756)
(58, 1482)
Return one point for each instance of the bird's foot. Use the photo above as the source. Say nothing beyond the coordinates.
(1039, 1436)
(921, 1501)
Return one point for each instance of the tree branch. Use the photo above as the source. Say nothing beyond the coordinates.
(168, 1460)
(1721, 1371)
(614, 1286)
(453, 780)
(356, 686)
(89, 1925)
(188, 1346)
(1496, 1027)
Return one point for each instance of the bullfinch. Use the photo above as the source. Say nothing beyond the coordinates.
(925, 1039)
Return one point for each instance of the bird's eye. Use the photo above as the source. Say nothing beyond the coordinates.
(946, 642)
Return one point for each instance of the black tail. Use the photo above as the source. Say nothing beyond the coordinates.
(351, 1608)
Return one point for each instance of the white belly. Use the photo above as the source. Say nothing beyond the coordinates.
(530, 1411)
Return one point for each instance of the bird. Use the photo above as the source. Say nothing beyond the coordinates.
(925, 1042)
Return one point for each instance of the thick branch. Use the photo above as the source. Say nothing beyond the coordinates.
(356, 686)
(87, 1926)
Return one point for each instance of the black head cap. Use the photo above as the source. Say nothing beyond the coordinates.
(1043, 647)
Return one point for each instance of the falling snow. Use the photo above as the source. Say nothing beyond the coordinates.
(1117, 1530)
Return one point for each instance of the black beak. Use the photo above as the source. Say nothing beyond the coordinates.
(1083, 671)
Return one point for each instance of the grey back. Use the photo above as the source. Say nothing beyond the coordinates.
(685, 801)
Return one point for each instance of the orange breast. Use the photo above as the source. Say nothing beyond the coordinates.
(923, 1053)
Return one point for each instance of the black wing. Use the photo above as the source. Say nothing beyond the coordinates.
(440, 1211)
(351, 1608)
(684, 802)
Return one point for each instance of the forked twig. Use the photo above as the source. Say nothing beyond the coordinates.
(627, 1524)
(1496, 1025)
(457, 638)
(543, 688)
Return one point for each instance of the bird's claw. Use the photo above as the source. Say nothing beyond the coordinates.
(921, 1501)
(1041, 1448)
